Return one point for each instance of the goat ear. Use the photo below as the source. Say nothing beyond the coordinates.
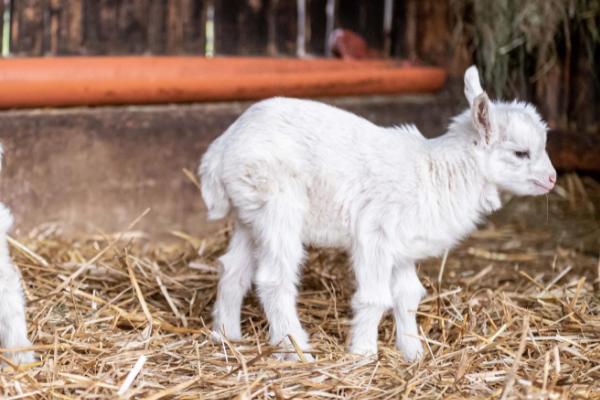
(472, 85)
(483, 118)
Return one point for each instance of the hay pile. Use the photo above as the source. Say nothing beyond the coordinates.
(516, 313)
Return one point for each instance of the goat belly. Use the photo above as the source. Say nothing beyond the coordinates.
(424, 246)
(326, 223)
(326, 236)
(421, 247)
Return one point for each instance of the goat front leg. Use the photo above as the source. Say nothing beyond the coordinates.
(373, 267)
(13, 330)
(407, 292)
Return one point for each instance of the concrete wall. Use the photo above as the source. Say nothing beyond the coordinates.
(97, 169)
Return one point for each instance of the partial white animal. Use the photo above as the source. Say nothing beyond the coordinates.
(297, 172)
(13, 330)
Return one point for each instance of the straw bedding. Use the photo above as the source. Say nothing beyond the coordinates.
(513, 313)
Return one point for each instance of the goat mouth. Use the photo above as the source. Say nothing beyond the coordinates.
(542, 186)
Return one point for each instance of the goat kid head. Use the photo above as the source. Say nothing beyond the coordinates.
(510, 142)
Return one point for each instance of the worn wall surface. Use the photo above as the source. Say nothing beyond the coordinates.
(96, 169)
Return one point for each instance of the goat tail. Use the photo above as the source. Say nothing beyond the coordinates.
(213, 191)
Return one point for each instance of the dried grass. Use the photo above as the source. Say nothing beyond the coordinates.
(515, 314)
(514, 41)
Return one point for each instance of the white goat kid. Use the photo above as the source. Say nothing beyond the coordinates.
(298, 172)
(13, 330)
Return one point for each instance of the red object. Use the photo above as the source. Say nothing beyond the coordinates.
(349, 45)
(73, 81)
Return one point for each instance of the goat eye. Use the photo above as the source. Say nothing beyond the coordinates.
(522, 154)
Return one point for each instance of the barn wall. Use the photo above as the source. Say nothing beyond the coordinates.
(98, 168)
(439, 32)
(92, 169)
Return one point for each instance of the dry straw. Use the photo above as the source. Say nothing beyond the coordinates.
(515, 314)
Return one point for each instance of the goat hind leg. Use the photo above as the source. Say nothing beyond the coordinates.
(279, 257)
(236, 279)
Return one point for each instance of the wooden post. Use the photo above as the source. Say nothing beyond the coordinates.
(176, 11)
(272, 28)
(186, 23)
(301, 35)
(5, 23)
(157, 25)
(241, 27)
(318, 27)
(283, 28)
(388, 13)
(27, 27)
(364, 17)
(70, 27)
(434, 34)
(330, 15)
(411, 30)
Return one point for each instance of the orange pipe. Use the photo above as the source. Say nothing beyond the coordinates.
(71, 81)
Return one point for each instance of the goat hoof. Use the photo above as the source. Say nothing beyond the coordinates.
(410, 347)
(219, 337)
(22, 358)
(366, 351)
(293, 356)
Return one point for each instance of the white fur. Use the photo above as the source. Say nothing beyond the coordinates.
(13, 331)
(472, 85)
(298, 172)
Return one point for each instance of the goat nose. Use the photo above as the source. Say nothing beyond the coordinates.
(552, 178)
